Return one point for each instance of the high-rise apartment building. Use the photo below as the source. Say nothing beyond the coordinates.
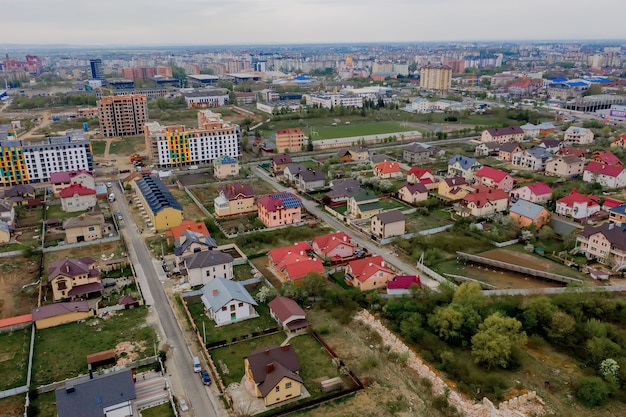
(174, 146)
(289, 140)
(436, 78)
(123, 115)
(97, 71)
(144, 73)
(30, 162)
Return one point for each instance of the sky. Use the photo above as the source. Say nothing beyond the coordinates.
(227, 22)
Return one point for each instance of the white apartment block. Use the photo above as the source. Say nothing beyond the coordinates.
(333, 100)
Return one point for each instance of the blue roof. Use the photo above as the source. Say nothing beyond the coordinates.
(225, 159)
(557, 79)
(619, 209)
(220, 291)
(156, 194)
(598, 79)
(302, 78)
(526, 209)
(539, 152)
(288, 200)
(465, 161)
(576, 83)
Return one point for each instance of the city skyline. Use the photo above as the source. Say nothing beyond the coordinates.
(196, 22)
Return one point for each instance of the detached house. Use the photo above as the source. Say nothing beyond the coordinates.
(454, 188)
(84, 228)
(578, 136)
(524, 213)
(503, 134)
(288, 314)
(192, 242)
(272, 371)
(539, 192)
(340, 190)
(483, 202)
(423, 176)
(234, 199)
(610, 176)
(487, 149)
(368, 273)
(605, 243)
(565, 166)
(279, 209)
(415, 153)
(607, 158)
(336, 245)
(570, 150)
(577, 205)
(617, 214)
(387, 169)
(73, 278)
(279, 163)
(64, 179)
(225, 166)
(310, 180)
(412, 193)
(353, 154)
(77, 197)
(204, 267)
(388, 224)
(620, 142)
(551, 145)
(494, 178)
(19, 194)
(507, 151)
(534, 159)
(363, 204)
(292, 171)
(293, 263)
(463, 166)
(227, 301)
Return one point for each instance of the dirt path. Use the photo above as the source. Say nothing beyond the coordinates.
(107, 148)
(46, 120)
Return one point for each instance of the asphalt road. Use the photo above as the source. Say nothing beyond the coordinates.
(200, 399)
(312, 207)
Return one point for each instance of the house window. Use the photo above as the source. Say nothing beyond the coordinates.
(240, 305)
(232, 307)
(233, 316)
(288, 385)
(224, 308)
(277, 388)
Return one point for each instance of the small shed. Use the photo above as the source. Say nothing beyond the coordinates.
(101, 358)
(129, 302)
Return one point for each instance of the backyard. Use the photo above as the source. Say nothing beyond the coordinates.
(55, 211)
(14, 347)
(15, 273)
(127, 328)
(190, 210)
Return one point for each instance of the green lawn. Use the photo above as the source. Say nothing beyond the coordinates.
(163, 410)
(228, 332)
(44, 404)
(344, 131)
(52, 361)
(341, 209)
(229, 359)
(56, 212)
(390, 203)
(28, 218)
(242, 272)
(14, 348)
(98, 147)
(419, 221)
(314, 362)
(128, 145)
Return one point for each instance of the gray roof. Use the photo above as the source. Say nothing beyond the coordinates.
(207, 258)
(156, 194)
(392, 216)
(83, 220)
(416, 148)
(219, 292)
(89, 398)
(188, 237)
(466, 162)
(295, 168)
(363, 195)
(313, 175)
(343, 188)
(539, 153)
(526, 209)
(509, 147)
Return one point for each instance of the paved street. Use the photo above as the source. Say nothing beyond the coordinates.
(201, 401)
(312, 207)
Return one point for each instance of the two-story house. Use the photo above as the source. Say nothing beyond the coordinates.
(565, 166)
(454, 188)
(463, 166)
(279, 209)
(412, 193)
(534, 159)
(539, 193)
(310, 180)
(483, 202)
(292, 170)
(279, 163)
(192, 242)
(605, 243)
(74, 278)
(503, 134)
(388, 224)
(507, 150)
(415, 153)
(226, 301)
(203, 267)
(77, 197)
(387, 170)
(234, 199)
(64, 179)
(610, 176)
(84, 228)
(336, 245)
(577, 205)
(225, 166)
(524, 213)
(368, 273)
(273, 372)
(578, 136)
(363, 205)
(487, 149)
(494, 178)
(423, 176)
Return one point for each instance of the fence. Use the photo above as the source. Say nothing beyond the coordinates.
(81, 244)
(198, 203)
(431, 273)
(14, 391)
(507, 243)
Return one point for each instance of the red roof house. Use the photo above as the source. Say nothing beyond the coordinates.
(334, 245)
(387, 169)
(607, 158)
(292, 263)
(577, 205)
(401, 284)
(175, 232)
(368, 273)
(421, 175)
(611, 176)
(494, 178)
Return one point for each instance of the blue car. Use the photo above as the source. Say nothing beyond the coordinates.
(206, 378)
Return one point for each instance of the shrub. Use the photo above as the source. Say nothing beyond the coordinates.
(592, 391)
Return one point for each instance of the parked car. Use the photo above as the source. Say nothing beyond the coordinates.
(119, 215)
(206, 378)
(183, 405)
(109, 184)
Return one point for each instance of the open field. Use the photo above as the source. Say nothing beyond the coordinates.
(92, 251)
(15, 272)
(14, 406)
(98, 146)
(29, 218)
(190, 210)
(343, 131)
(417, 221)
(52, 362)
(127, 145)
(208, 193)
(14, 347)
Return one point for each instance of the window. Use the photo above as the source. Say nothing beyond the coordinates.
(232, 307)
(277, 388)
(240, 305)
(288, 385)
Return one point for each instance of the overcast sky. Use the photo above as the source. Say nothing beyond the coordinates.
(213, 22)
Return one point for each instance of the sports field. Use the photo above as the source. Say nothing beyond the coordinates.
(343, 131)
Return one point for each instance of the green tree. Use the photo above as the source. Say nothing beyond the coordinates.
(561, 328)
(497, 339)
(592, 391)
(538, 312)
(313, 284)
(447, 322)
(469, 294)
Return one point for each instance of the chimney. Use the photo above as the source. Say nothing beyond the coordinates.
(69, 390)
(67, 268)
(285, 348)
(267, 352)
(301, 253)
(611, 226)
(382, 264)
(270, 367)
(215, 292)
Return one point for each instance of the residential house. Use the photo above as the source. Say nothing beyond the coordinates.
(73, 278)
(617, 215)
(310, 180)
(538, 131)
(605, 243)
(368, 273)
(607, 158)
(363, 205)
(293, 263)
(288, 314)
(454, 188)
(226, 301)
(225, 166)
(619, 142)
(353, 154)
(463, 166)
(577, 205)
(19, 194)
(610, 176)
(77, 197)
(539, 193)
(85, 228)
(5, 232)
(273, 372)
(7, 212)
(534, 159)
(341, 190)
(415, 153)
(377, 158)
(551, 145)
(336, 245)
(111, 394)
(565, 166)
(483, 202)
(401, 284)
(388, 224)
(162, 208)
(578, 136)
(423, 176)
(507, 151)
(524, 213)
(203, 267)
(279, 209)
(292, 170)
(487, 149)
(387, 170)
(570, 150)
(279, 163)
(412, 193)
(56, 314)
(64, 179)
(502, 134)
(175, 232)
(235, 199)
(494, 178)
(192, 242)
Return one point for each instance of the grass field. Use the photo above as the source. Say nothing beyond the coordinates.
(390, 204)
(242, 272)
(334, 132)
(56, 212)
(14, 358)
(128, 145)
(98, 147)
(163, 410)
(52, 361)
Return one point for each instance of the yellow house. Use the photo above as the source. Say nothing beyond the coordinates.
(454, 188)
(363, 205)
(235, 199)
(84, 228)
(273, 372)
(225, 166)
(163, 210)
(60, 313)
(5, 232)
(72, 278)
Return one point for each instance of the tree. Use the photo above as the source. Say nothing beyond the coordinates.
(561, 327)
(592, 391)
(447, 322)
(538, 311)
(313, 284)
(497, 339)
(469, 294)
(593, 89)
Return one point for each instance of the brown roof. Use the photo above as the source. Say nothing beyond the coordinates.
(284, 308)
(127, 300)
(269, 364)
(69, 267)
(613, 233)
(236, 190)
(392, 216)
(101, 356)
(59, 309)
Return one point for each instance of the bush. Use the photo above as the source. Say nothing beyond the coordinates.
(369, 362)
(592, 391)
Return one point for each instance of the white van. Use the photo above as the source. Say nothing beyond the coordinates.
(196, 364)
